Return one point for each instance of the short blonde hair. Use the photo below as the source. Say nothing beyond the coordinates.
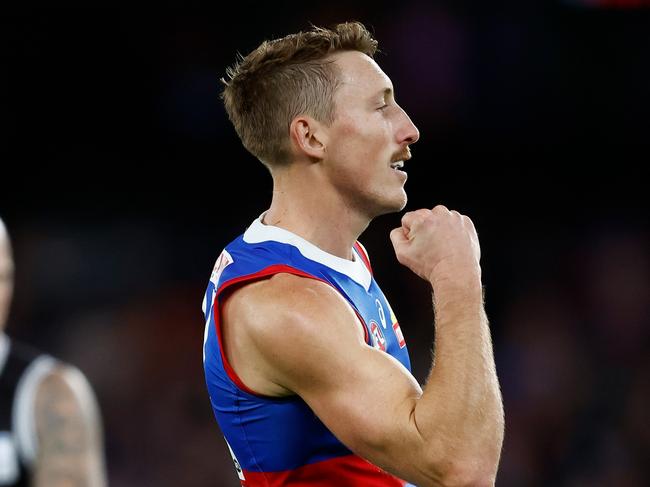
(284, 78)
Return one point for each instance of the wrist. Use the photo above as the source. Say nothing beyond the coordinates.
(466, 277)
(462, 290)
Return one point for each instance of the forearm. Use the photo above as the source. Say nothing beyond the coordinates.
(460, 414)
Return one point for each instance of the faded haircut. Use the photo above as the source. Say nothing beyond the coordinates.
(286, 77)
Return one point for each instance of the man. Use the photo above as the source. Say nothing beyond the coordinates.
(305, 363)
(49, 424)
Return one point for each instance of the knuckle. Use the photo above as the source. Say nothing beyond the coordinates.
(408, 216)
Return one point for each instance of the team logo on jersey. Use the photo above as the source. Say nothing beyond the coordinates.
(378, 340)
(224, 260)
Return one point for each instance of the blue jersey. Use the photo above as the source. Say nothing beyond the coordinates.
(280, 441)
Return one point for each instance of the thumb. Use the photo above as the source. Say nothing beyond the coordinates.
(397, 237)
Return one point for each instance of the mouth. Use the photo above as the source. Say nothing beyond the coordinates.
(398, 160)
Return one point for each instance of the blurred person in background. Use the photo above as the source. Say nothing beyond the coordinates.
(50, 427)
(305, 363)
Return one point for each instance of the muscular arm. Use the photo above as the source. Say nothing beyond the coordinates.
(461, 409)
(448, 434)
(70, 452)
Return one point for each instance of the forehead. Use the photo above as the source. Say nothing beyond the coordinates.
(360, 74)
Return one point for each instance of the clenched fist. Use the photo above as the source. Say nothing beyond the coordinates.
(439, 245)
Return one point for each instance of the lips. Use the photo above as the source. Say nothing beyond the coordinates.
(398, 159)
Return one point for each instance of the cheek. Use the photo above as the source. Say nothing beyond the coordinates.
(349, 129)
(366, 135)
(361, 145)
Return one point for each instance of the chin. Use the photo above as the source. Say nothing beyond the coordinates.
(393, 205)
(400, 201)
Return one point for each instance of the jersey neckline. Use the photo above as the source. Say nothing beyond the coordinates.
(355, 269)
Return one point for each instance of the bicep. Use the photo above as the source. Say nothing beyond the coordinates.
(363, 395)
(366, 398)
(68, 430)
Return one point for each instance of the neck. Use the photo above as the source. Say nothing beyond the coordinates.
(304, 204)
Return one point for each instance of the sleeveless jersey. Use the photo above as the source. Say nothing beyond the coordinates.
(21, 370)
(280, 441)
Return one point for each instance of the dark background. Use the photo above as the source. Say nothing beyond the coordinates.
(122, 179)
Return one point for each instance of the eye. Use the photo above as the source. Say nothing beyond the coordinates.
(383, 107)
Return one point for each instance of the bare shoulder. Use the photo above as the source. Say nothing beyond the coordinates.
(273, 328)
(294, 302)
(65, 384)
(64, 398)
(55, 393)
(68, 431)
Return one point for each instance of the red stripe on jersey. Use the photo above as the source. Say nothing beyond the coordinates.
(399, 335)
(363, 255)
(346, 471)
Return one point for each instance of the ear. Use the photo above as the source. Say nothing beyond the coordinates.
(308, 137)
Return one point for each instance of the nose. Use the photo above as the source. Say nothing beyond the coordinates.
(408, 132)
